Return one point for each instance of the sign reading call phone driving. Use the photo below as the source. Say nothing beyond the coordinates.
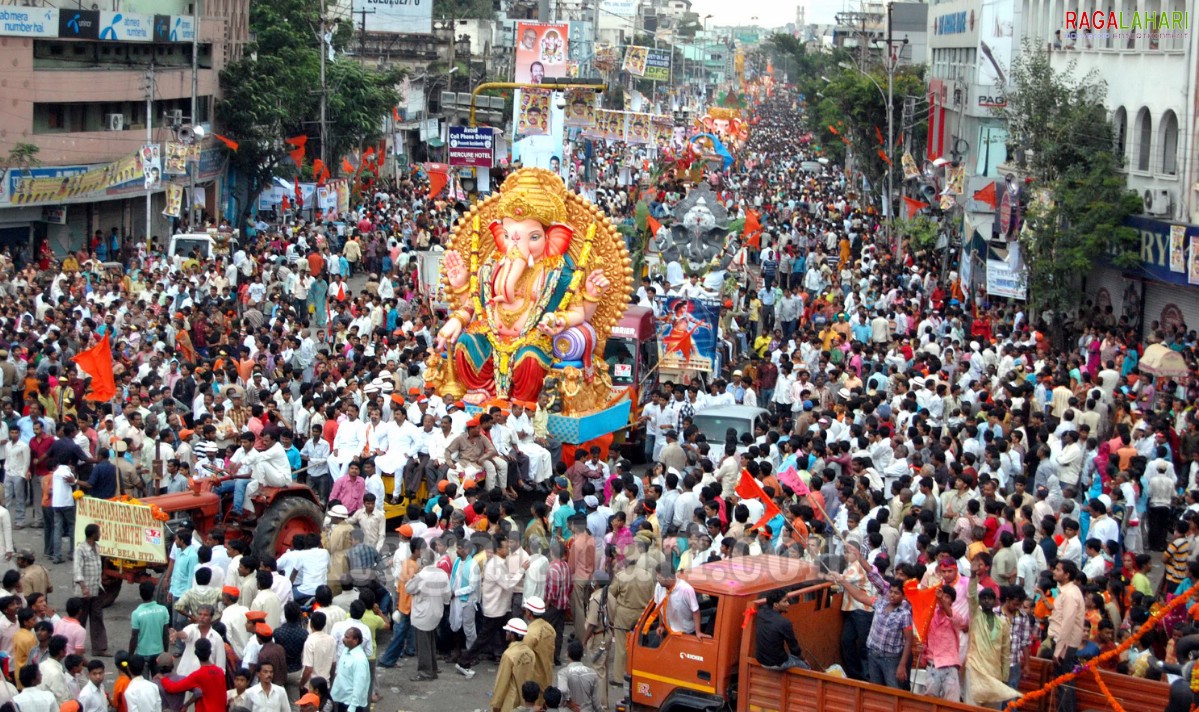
(471, 146)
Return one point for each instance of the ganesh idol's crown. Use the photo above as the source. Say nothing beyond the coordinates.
(532, 195)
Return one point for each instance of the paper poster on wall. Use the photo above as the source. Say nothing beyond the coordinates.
(1178, 261)
(1193, 262)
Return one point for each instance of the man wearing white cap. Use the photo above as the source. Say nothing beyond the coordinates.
(517, 666)
(541, 640)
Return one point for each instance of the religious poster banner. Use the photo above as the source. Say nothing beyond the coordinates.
(174, 206)
(687, 336)
(1178, 260)
(638, 128)
(87, 182)
(541, 51)
(152, 166)
(662, 130)
(635, 59)
(1193, 264)
(580, 108)
(175, 158)
(534, 112)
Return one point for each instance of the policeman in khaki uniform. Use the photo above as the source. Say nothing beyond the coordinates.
(631, 591)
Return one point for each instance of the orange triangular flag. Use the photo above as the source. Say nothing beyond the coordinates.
(346, 166)
(748, 488)
(297, 141)
(879, 133)
(319, 171)
(914, 206)
(653, 225)
(987, 195)
(883, 155)
(395, 113)
(753, 229)
(834, 130)
(97, 363)
(229, 143)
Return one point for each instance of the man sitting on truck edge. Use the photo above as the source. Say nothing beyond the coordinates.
(776, 647)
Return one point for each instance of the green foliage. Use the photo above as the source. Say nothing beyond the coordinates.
(1061, 136)
(920, 232)
(276, 95)
(460, 9)
(22, 156)
(854, 103)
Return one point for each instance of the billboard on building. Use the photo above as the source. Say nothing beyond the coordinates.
(402, 17)
(996, 33)
(541, 51)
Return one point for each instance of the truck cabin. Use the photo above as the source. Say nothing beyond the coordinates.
(632, 352)
(688, 672)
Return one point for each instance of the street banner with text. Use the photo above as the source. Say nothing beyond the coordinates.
(127, 531)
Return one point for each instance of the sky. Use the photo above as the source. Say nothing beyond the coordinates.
(770, 13)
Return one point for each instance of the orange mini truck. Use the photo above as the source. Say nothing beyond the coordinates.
(719, 673)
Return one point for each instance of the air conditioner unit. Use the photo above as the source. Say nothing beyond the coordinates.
(1158, 202)
(115, 122)
(174, 117)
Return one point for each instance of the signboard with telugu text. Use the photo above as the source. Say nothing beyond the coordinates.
(127, 531)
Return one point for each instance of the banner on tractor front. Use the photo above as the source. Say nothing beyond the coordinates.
(687, 337)
(127, 531)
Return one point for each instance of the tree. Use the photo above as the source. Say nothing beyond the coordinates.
(273, 93)
(22, 157)
(1061, 136)
(458, 9)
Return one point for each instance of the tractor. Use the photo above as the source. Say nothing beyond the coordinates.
(280, 514)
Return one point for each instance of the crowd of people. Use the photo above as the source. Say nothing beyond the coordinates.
(915, 431)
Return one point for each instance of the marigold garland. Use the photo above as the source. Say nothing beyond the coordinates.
(1092, 665)
(1106, 693)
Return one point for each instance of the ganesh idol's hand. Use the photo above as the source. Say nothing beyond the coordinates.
(455, 270)
(596, 284)
(552, 324)
(448, 335)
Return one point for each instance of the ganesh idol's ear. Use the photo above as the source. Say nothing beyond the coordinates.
(497, 233)
(558, 237)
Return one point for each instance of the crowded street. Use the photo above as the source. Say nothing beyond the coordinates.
(661, 410)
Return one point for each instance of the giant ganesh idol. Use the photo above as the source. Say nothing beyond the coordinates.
(536, 277)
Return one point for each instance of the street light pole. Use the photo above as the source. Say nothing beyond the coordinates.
(891, 63)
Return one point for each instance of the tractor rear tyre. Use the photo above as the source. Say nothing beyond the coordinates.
(282, 521)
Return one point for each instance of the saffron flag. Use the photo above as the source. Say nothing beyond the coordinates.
(395, 113)
(653, 225)
(439, 177)
(987, 195)
(883, 155)
(914, 206)
(753, 229)
(749, 488)
(879, 133)
(229, 143)
(346, 166)
(297, 153)
(319, 171)
(833, 129)
(97, 363)
(924, 603)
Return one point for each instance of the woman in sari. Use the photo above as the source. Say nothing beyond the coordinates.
(318, 301)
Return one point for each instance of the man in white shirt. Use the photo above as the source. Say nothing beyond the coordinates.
(268, 468)
(403, 442)
(540, 464)
(348, 444)
(33, 698)
(16, 457)
(142, 695)
(266, 696)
